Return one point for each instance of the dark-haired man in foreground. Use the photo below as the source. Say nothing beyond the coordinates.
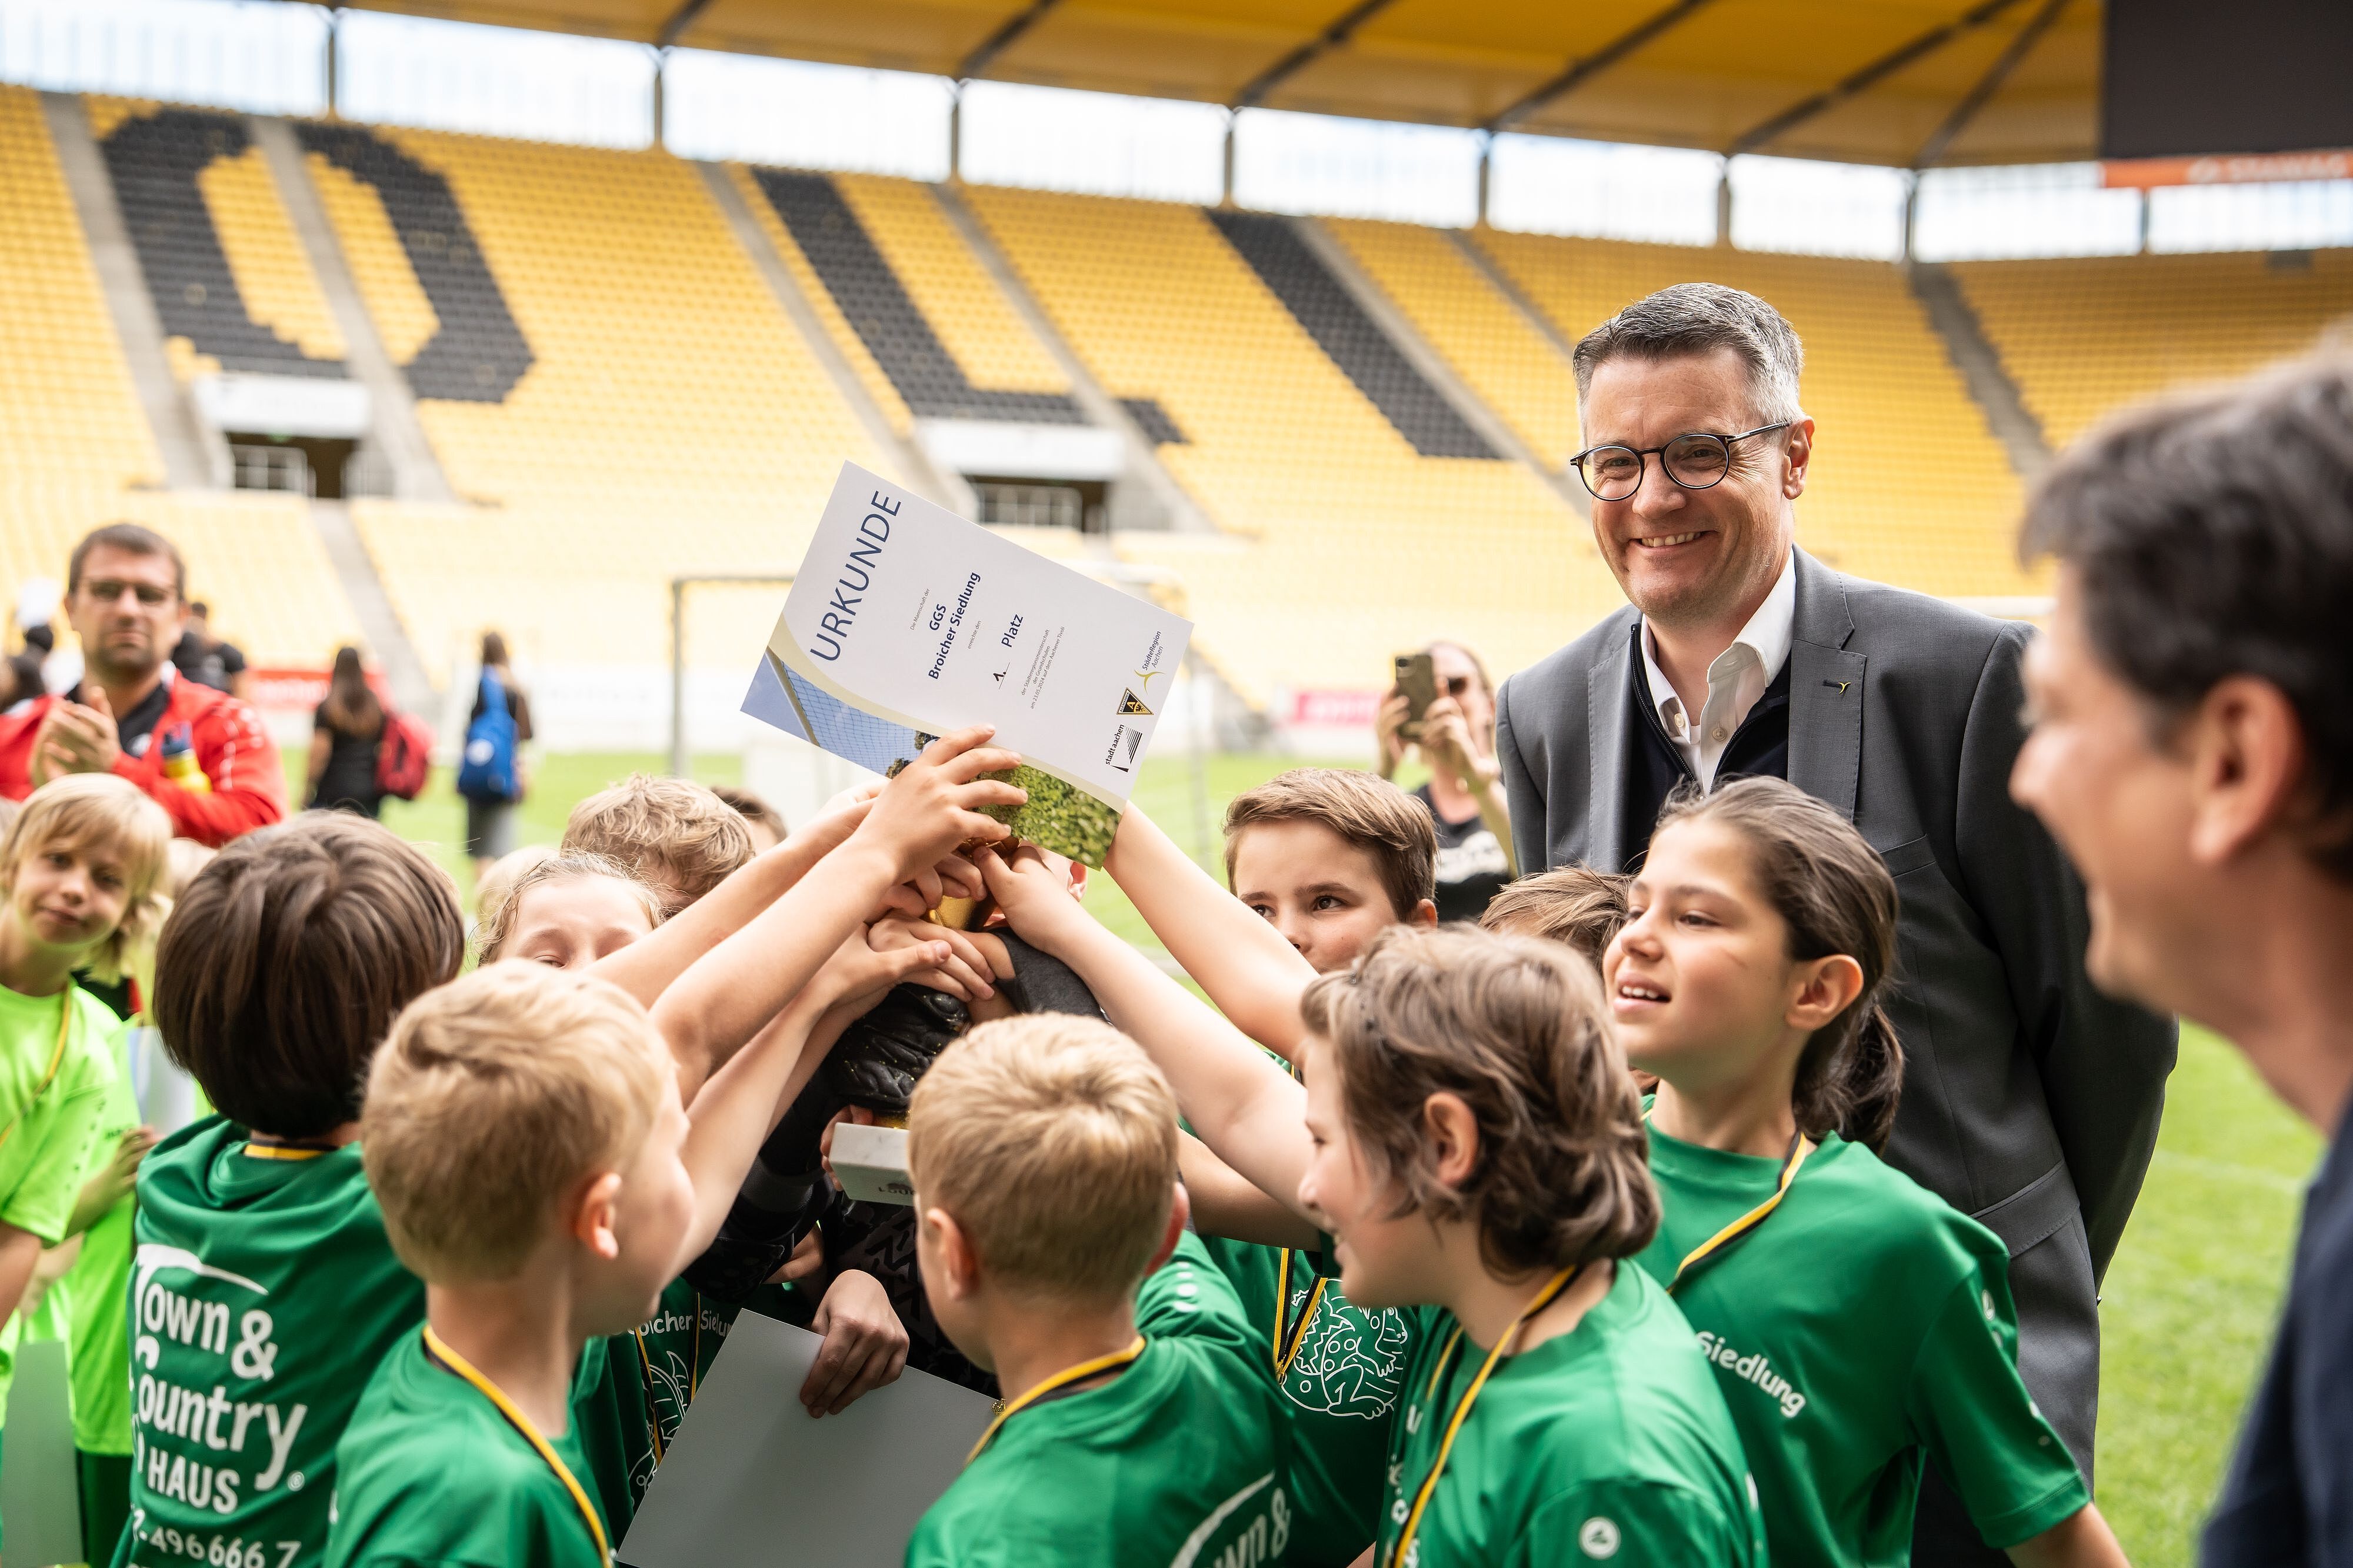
(2193, 748)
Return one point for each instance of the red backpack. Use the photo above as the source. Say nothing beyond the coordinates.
(404, 755)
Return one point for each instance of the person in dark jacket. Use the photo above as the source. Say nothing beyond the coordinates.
(2191, 748)
(345, 732)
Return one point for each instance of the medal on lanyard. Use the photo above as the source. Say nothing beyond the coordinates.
(1289, 1335)
(1504, 1342)
(1715, 1245)
(1060, 1380)
(438, 1353)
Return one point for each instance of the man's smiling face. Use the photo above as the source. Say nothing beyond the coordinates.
(1689, 557)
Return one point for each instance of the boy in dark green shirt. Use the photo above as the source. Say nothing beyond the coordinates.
(1138, 1426)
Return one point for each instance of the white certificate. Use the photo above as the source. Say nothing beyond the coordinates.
(906, 620)
(752, 1478)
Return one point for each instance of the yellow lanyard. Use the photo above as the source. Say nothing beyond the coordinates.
(282, 1150)
(56, 1060)
(1537, 1303)
(1288, 1335)
(1063, 1379)
(1800, 1148)
(438, 1352)
(693, 1376)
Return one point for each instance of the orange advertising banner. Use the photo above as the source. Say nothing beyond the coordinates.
(2148, 173)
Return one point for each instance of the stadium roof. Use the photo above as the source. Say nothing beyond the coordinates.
(1879, 81)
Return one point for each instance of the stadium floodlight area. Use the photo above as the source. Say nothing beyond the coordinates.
(1799, 205)
(800, 115)
(261, 56)
(498, 81)
(1092, 143)
(1289, 163)
(2023, 211)
(1602, 190)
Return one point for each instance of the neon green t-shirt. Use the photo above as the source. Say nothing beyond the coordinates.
(1609, 1442)
(1864, 1324)
(430, 1475)
(1180, 1457)
(50, 1119)
(1341, 1388)
(85, 1308)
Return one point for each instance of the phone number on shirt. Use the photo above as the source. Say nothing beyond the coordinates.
(222, 1551)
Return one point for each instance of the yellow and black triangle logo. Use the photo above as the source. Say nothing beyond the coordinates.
(1130, 703)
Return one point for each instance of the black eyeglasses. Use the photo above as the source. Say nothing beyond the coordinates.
(1696, 460)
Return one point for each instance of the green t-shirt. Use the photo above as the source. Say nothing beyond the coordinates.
(661, 1364)
(1341, 1390)
(91, 1299)
(430, 1475)
(1180, 1457)
(263, 1294)
(1864, 1324)
(47, 1151)
(1608, 1442)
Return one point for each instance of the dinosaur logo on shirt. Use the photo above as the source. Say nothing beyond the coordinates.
(1350, 1362)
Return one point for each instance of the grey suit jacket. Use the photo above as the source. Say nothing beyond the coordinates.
(2028, 1096)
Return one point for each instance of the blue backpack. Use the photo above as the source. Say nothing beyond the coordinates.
(487, 773)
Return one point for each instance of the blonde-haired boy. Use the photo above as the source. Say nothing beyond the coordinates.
(524, 1137)
(80, 872)
(677, 838)
(1136, 1426)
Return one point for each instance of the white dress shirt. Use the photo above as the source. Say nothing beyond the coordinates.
(1734, 681)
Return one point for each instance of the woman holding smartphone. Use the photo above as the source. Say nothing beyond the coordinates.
(1444, 703)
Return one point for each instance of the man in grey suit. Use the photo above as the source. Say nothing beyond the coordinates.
(2030, 1101)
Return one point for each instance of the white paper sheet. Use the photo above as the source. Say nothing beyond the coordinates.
(753, 1479)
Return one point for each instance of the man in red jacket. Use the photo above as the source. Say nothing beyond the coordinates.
(202, 755)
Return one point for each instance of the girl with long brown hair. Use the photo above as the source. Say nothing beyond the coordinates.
(1856, 1322)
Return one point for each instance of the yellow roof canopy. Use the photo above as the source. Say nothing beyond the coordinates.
(1878, 81)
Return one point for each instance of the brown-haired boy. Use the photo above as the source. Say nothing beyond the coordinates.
(1331, 857)
(1135, 1427)
(679, 839)
(1576, 905)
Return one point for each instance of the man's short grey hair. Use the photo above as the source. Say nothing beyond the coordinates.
(1700, 319)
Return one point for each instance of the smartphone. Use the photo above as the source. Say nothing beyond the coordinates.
(1418, 681)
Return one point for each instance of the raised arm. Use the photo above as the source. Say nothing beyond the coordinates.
(1250, 972)
(645, 969)
(739, 985)
(1250, 1112)
(744, 1099)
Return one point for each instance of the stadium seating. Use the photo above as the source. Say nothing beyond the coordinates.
(230, 283)
(668, 419)
(1343, 543)
(1506, 361)
(1908, 485)
(2082, 337)
(75, 447)
(616, 399)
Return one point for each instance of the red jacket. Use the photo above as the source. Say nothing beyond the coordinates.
(232, 748)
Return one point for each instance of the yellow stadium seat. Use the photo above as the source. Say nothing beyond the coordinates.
(2084, 337)
(1343, 544)
(75, 448)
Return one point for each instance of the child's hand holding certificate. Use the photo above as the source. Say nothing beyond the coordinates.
(906, 622)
